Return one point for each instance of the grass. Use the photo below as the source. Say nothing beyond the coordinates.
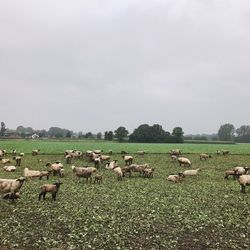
(201, 212)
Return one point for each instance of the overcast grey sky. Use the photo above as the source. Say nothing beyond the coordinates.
(97, 65)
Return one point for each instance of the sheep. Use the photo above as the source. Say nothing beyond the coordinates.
(56, 168)
(97, 162)
(138, 168)
(244, 181)
(204, 156)
(2, 152)
(176, 152)
(225, 152)
(119, 173)
(125, 170)
(45, 173)
(98, 178)
(35, 152)
(191, 172)
(231, 172)
(21, 154)
(13, 152)
(11, 196)
(176, 177)
(18, 160)
(11, 186)
(49, 188)
(174, 157)
(68, 159)
(241, 170)
(184, 161)
(123, 152)
(9, 168)
(141, 152)
(31, 173)
(83, 172)
(111, 165)
(98, 151)
(128, 159)
(218, 152)
(148, 172)
(110, 152)
(93, 156)
(104, 158)
(5, 160)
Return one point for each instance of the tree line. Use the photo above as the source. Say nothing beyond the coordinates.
(144, 133)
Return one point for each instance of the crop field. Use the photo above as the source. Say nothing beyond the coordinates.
(202, 212)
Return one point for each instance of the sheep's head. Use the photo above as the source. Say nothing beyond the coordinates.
(21, 179)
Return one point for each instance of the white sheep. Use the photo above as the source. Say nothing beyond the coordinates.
(98, 151)
(205, 156)
(174, 157)
(111, 165)
(184, 161)
(244, 181)
(56, 167)
(35, 152)
(128, 159)
(11, 186)
(191, 172)
(5, 160)
(9, 168)
(31, 173)
(176, 152)
(118, 171)
(241, 170)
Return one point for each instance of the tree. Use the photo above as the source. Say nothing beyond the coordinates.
(56, 132)
(178, 134)
(226, 132)
(243, 133)
(3, 129)
(99, 136)
(121, 133)
(108, 135)
(89, 135)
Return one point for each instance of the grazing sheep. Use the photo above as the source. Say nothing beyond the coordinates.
(148, 172)
(49, 188)
(98, 178)
(126, 169)
(204, 156)
(21, 154)
(104, 158)
(9, 168)
(138, 168)
(5, 160)
(83, 172)
(35, 152)
(228, 173)
(244, 181)
(119, 173)
(11, 186)
(128, 159)
(97, 162)
(45, 173)
(124, 152)
(18, 160)
(110, 152)
(176, 152)
(184, 161)
(56, 168)
(218, 152)
(2, 152)
(191, 172)
(176, 177)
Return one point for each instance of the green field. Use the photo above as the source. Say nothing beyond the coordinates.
(58, 147)
(202, 212)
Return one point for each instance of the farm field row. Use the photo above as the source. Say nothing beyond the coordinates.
(205, 211)
(57, 147)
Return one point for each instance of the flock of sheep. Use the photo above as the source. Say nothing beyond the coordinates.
(10, 188)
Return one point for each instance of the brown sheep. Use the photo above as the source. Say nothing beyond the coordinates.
(49, 188)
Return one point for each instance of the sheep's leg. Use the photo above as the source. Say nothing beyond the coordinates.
(44, 193)
(53, 196)
(243, 188)
(40, 196)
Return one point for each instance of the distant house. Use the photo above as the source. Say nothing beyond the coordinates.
(35, 136)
